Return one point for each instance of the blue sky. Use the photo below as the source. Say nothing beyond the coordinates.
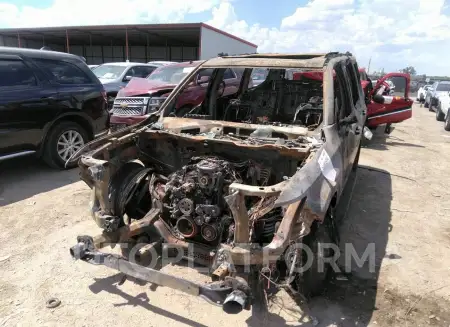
(394, 33)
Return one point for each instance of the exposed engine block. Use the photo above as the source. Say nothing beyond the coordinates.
(194, 199)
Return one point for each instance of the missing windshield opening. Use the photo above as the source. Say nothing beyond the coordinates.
(277, 97)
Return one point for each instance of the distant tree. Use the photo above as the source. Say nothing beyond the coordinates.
(409, 70)
(222, 54)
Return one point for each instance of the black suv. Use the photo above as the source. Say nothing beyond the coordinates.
(51, 104)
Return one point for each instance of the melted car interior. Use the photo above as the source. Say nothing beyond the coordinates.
(282, 98)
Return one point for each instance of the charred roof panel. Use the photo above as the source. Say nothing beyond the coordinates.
(269, 61)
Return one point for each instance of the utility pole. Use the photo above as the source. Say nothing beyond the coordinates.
(368, 67)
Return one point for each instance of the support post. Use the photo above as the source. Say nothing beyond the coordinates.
(126, 43)
(90, 48)
(146, 50)
(167, 52)
(18, 40)
(199, 54)
(67, 42)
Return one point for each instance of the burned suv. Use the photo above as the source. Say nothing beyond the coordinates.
(238, 184)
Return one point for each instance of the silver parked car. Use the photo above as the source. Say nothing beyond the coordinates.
(162, 63)
(116, 75)
(437, 89)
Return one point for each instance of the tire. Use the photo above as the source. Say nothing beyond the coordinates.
(110, 100)
(313, 281)
(76, 137)
(439, 114)
(426, 104)
(430, 105)
(388, 129)
(447, 121)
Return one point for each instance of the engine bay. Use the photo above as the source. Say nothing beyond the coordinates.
(194, 199)
(190, 181)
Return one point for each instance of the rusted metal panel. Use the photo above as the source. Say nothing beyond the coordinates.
(126, 232)
(216, 126)
(236, 202)
(274, 62)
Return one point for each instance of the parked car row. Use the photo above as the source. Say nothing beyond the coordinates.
(437, 98)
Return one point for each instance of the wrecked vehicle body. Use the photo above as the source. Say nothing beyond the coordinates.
(238, 184)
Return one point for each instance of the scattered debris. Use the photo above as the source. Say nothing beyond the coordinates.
(52, 303)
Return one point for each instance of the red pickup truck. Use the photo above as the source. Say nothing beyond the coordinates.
(393, 108)
(142, 96)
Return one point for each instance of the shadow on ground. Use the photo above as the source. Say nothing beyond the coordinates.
(21, 178)
(110, 285)
(365, 213)
(349, 299)
(382, 141)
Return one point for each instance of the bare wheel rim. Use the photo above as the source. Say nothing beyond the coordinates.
(68, 143)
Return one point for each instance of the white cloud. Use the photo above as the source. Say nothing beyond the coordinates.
(319, 12)
(394, 33)
(97, 12)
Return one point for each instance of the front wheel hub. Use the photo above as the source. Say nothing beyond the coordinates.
(68, 143)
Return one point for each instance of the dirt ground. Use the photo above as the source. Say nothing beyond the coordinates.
(400, 202)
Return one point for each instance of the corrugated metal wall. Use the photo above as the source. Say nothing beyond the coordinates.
(14, 42)
(213, 43)
(100, 54)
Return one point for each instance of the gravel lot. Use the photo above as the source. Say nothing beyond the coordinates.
(400, 202)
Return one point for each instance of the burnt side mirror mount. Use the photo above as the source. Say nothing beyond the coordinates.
(350, 119)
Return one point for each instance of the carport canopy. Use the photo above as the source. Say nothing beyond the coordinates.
(148, 35)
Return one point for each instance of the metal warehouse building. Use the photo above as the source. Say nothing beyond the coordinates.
(139, 43)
